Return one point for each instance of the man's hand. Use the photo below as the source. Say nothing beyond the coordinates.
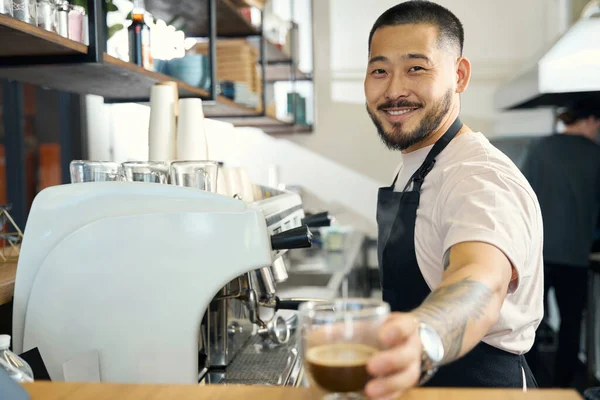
(398, 368)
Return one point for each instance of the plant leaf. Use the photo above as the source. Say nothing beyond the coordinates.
(82, 3)
(111, 7)
(114, 29)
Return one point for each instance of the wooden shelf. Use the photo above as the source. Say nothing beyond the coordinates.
(270, 125)
(274, 53)
(113, 79)
(195, 14)
(282, 72)
(287, 130)
(18, 38)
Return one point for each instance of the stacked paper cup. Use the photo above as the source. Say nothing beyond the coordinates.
(191, 139)
(162, 134)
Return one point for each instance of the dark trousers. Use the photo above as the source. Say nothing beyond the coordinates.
(570, 288)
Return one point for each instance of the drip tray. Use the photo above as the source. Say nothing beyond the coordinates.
(259, 364)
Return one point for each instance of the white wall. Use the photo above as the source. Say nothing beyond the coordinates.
(502, 38)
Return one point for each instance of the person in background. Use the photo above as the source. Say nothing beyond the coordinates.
(460, 229)
(564, 172)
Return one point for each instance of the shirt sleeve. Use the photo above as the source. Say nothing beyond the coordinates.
(493, 208)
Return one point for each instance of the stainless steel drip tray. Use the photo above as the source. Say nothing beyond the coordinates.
(259, 364)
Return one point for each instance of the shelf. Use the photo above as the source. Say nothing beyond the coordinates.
(274, 53)
(195, 15)
(256, 121)
(281, 72)
(287, 130)
(113, 79)
(270, 125)
(18, 38)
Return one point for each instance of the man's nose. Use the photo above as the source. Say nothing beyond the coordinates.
(397, 88)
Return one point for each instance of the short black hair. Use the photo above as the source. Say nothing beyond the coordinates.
(582, 108)
(424, 12)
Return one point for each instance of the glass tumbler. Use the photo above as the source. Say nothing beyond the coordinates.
(146, 171)
(46, 15)
(95, 171)
(25, 10)
(6, 7)
(197, 174)
(76, 23)
(337, 339)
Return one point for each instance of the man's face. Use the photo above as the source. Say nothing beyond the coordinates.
(410, 83)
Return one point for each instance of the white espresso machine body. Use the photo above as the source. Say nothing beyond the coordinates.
(126, 271)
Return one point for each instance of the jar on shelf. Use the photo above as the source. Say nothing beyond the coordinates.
(62, 18)
(25, 10)
(46, 15)
(6, 7)
(76, 23)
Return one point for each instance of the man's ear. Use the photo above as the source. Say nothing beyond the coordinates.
(463, 74)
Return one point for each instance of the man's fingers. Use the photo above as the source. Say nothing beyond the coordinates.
(396, 358)
(396, 384)
(397, 328)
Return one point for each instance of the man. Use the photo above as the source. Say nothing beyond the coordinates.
(460, 229)
(564, 171)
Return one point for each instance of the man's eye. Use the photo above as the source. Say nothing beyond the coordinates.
(416, 68)
(378, 71)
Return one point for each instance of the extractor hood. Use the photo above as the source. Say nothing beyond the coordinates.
(568, 71)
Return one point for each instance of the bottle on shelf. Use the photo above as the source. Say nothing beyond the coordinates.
(15, 366)
(62, 18)
(139, 37)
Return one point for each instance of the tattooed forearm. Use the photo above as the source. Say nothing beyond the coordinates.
(449, 308)
(447, 259)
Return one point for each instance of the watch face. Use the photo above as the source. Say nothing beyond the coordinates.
(432, 343)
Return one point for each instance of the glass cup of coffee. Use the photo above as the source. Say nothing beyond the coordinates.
(338, 338)
(146, 171)
(95, 171)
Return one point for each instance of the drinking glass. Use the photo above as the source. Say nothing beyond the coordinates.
(6, 7)
(46, 15)
(337, 339)
(76, 17)
(234, 182)
(197, 174)
(95, 171)
(25, 10)
(146, 171)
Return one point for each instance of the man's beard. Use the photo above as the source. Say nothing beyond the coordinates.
(399, 139)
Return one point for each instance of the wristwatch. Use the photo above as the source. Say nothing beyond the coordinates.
(433, 352)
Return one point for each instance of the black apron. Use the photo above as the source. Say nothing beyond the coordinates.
(404, 287)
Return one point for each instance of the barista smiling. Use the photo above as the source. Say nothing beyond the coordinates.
(460, 229)
(414, 77)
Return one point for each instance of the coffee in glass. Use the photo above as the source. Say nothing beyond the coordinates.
(338, 338)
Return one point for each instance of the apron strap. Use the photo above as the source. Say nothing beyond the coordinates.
(419, 176)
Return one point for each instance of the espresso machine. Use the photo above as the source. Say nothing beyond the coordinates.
(154, 283)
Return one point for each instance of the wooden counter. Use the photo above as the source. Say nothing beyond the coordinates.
(75, 391)
(8, 273)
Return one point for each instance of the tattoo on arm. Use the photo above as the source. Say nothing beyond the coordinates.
(447, 259)
(449, 308)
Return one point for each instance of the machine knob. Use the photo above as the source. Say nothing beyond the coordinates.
(317, 220)
(297, 238)
(234, 328)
